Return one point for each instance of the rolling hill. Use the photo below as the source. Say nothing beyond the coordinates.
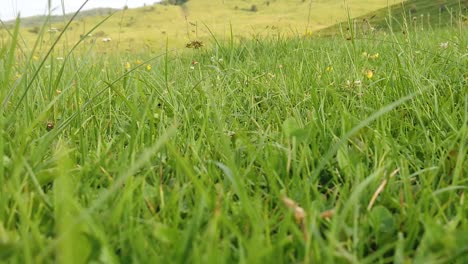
(413, 14)
(149, 28)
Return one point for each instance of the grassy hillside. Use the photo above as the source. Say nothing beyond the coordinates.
(412, 15)
(148, 28)
(36, 21)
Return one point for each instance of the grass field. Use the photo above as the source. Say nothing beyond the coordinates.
(270, 150)
(412, 14)
(148, 29)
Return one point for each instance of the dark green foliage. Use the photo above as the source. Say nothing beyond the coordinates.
(174, 2)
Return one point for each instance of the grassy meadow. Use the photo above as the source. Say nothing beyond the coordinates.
(148, 29)
(350, 148)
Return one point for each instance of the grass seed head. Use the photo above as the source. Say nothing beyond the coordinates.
(195, 44)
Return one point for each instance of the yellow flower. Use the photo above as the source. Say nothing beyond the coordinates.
(364, 54)
(138, 62)
(370, 74)
(35, 57)
(148, 67)
(375, 56)
(127, 65)
(329, 69)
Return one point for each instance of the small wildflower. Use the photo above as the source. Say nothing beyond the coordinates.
(148, 67)
(308, 34)
(230, 133)
(369, 74)
(374, 57)
(444, 45)
(53, 30)
(35, 58)
(329, 69)
(370, 56)
(58, 91)
(138, 62)
(127, 65)
(192, 68)
(280, 66)
(351, 84)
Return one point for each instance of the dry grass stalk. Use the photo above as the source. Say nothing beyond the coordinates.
(380, 189)
(328, 214)
(299, 214)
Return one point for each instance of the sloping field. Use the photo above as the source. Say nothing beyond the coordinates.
(148, 28)
(408, 15)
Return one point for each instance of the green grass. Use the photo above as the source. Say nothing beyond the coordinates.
(408, 15)
(193, 159)
(146, 29)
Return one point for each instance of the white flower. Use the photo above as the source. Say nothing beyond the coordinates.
(444, 45)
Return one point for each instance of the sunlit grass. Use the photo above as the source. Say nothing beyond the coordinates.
(146, 29)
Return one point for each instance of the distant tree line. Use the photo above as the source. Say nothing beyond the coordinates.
(174, 2)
